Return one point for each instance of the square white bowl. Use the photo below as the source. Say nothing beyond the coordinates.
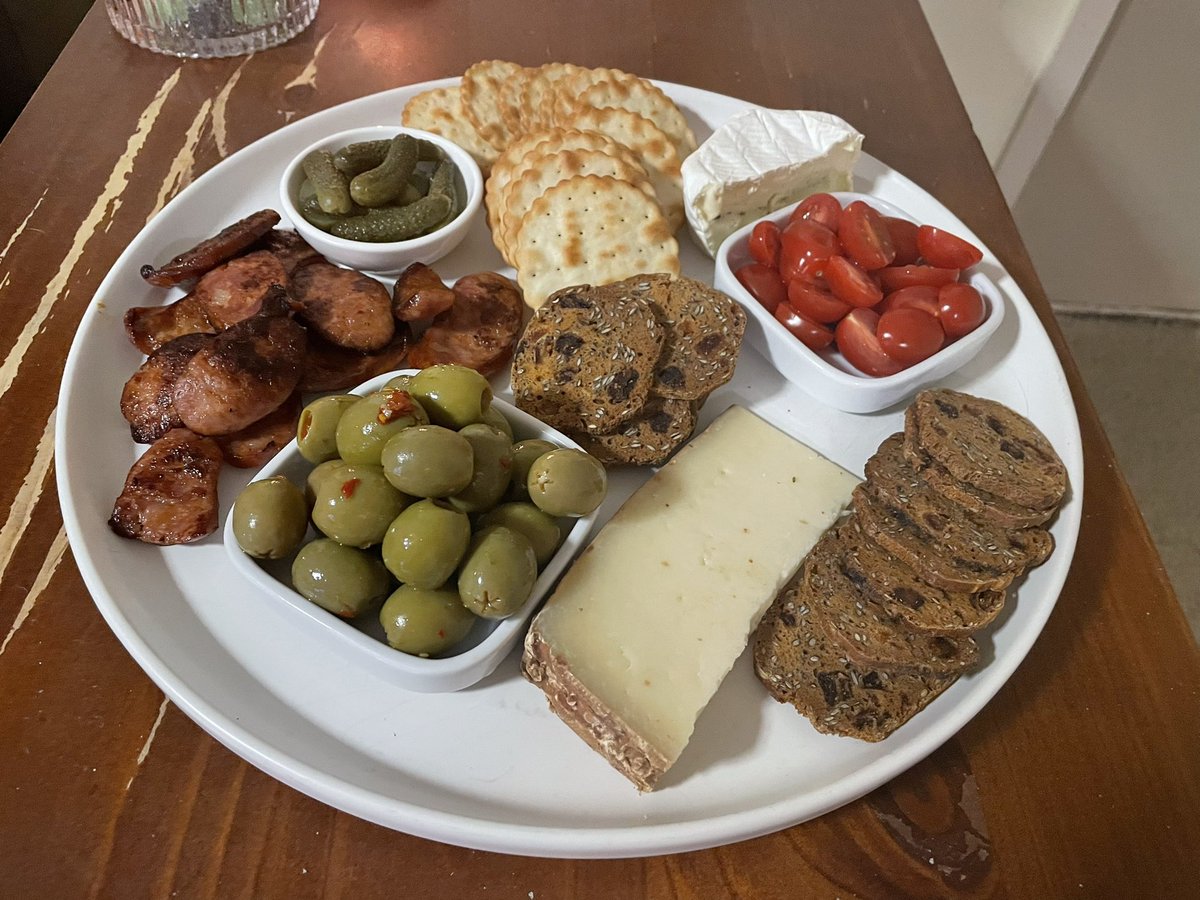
(389, 258)
(827, 375)
(362, 641)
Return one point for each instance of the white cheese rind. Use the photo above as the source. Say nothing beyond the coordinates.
(646, 624)
(760, 161)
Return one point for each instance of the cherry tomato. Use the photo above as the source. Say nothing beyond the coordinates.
(896, 277)
(823, 209)
(919, 296)
(812, 335)
(850, 283)
(960, 309)
(904, 239)
(864, 236)
(941, 248)
(814, 302)
(909, 335)
(763, 284)
(856, 339)
(803, 241)
(764, 243)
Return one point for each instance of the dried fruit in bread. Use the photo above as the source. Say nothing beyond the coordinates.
(586, 359)
(591, 229)
(704, 336)
(988, 446)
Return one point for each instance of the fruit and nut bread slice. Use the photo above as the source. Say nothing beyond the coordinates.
(704, 335)
(799, 664)
(986, 445)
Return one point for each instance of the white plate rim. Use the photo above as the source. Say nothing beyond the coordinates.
(598, 842)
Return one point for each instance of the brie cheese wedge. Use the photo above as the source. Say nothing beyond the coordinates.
(762, 160)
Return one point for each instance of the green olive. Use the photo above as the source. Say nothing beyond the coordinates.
(498, 573)
(496, 419)
(270, 518)
(343, 580)
(428, 461)
(492, 453)
(424, 622)
(355, 505)
(541, 529)
(316, 432)
(454, 396)
(566, 482)
(366, 426)
(523, 455)
(399, 383)
(315, 477)
(426, 542)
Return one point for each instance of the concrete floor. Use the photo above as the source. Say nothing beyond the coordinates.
(1144, 377)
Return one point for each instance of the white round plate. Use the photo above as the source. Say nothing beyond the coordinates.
(490, 767)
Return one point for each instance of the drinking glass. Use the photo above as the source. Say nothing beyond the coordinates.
(208, 28)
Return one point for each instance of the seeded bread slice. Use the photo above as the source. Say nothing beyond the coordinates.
(799, 664)
(586, 360)
(649, 438)
(988, 446)
(979, 504)
(704, 335)
(861, 629)
(902, 594)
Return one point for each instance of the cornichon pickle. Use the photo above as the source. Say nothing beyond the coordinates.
(332, 189)
(356, 158)
(382, 184)
(442, 181)
(310, 208)
(395, 223)
(420, 181)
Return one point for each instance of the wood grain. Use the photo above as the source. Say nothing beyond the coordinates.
(1079, 778)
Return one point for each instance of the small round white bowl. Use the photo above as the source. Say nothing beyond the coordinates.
(827, 376)
(393, 257)
(362, 642)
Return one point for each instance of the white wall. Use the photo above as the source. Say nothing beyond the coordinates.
(996, 50)
(1111, 212)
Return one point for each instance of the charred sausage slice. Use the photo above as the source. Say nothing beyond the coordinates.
(328, 367)
(234, 291)
(258, 442)
(147, 401)
(151, 327)
(344, 307)
(420, 294)
(289, 248)
(170, 494)
(479, 330)
(211, 252)
(246, 372)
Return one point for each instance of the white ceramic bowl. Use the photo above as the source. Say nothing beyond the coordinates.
(827, 375)
(385, 258)
(362, 642)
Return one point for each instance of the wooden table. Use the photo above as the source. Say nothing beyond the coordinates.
(1080, 778)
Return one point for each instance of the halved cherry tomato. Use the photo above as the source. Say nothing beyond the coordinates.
(764, 243)
(896, 277)
(864, 236)
(909, 335)
(941, 248)
(919, 296)
(904, 239)
(960, 309)
(812, 335)
(803, 241)
(763, 284)
(850, 283)
(823, 209)
(856, 339)
(814, 302)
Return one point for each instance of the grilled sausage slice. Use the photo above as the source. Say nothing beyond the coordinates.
(328, 367)
(211, 252)
(170, 494)
(246, 372)
(479, 330)
(151, 327)
(234, 291)
(147, 401)
(259, 441)
(344, 307)
(420, 294)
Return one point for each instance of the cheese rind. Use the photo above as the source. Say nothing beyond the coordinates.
(760, 161)
(646, 624)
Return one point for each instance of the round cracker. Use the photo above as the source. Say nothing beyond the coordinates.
(440, 110)
(640, 96)
(548, 169)
(652, 146)
(568, 88)
(591, 229)
(491, 92)
(538, 97)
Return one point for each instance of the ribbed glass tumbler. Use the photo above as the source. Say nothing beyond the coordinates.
(208, 28)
